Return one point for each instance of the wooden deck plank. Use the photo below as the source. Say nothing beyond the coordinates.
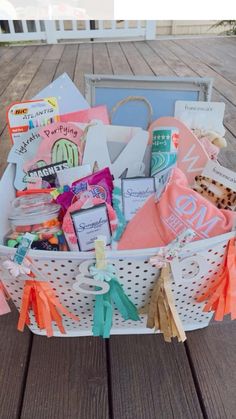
(224, 51)
(230, 39)
(84, 65)
(42, 78)
(179, 68)
(3, 50)
(158, 66)
(16, 89)
(213, 353)
(101, 59)
(67, 379)
(226, 88)
(227, 156)
(137, 64)
(9, 53)
(67, 61)
(119, 62)
(231, 44)
(190, 61)
(35, 74)
(151, 379)
(210, 55)
(55, 52)
(224, 46)
(44, 73)
(13, 67)
(230, 116)
(14, 353)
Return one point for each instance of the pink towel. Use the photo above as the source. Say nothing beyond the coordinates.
(211, 149)
(158, 223)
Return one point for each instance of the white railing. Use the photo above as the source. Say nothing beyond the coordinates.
(22, 30)
(53, 31)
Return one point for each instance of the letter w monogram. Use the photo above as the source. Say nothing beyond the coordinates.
(192, 160)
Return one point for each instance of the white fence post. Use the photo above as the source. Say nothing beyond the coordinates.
(150, 29)
(51, 33)
(63, 32)
(11, 27)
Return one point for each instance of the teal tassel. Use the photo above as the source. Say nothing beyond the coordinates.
(126, 308)
(108, 315)
(102, 318)
(98, 316)
(103, 310)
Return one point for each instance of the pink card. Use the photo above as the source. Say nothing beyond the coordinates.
(86, 115)
(60, 142)
(191, 156)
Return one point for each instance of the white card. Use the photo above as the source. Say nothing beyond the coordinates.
(135, 193)
(215, 171)
(68, 176)
(130, 160)
(89, 224)
(202, 115)
(68, 95)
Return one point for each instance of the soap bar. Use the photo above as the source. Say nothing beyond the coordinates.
(135, 192)
(90, 223)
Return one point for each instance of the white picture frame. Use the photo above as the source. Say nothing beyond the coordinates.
(153, 96)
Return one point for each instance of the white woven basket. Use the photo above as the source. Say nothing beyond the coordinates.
(196, 266)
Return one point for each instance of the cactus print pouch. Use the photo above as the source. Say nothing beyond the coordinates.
(61, 141)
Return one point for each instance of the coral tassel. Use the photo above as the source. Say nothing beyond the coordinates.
(39, 297)
(221, 297)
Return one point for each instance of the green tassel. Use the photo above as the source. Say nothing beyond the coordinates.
(103, 310)
(124, 305)
(102, 318)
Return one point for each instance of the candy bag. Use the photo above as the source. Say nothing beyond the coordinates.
(98, 185)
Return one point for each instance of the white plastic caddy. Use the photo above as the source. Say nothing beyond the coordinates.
(197, 267)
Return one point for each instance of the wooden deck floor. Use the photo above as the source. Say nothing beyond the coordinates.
(128, 377)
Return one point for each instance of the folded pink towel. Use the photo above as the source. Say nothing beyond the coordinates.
(158, 223)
